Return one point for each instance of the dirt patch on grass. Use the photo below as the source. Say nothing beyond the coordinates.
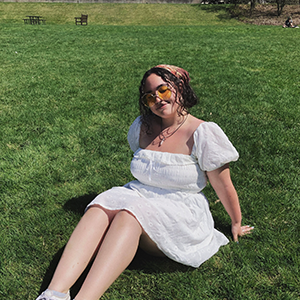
(266, 14)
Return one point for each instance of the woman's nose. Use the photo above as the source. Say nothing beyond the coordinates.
(157, 97)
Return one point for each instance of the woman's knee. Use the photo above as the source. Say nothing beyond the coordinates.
(126, 218)
(103, 212)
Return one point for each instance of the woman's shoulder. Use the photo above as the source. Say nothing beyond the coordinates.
(209, 133)
(206, 127)
(194, 122)
(212, 147)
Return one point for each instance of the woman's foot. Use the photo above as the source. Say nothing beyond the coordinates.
(53, 295)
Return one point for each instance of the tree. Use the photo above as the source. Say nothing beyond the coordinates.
(280, 6)
(252, 5)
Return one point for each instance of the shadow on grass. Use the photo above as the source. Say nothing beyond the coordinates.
(78, 205)
(220, 226)
(222, 11)
(141, 262)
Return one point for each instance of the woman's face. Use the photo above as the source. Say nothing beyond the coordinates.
(162, 108)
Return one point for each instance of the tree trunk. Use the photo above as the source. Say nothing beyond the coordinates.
(252, 6)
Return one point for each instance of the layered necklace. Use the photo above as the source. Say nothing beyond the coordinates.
(163, 137)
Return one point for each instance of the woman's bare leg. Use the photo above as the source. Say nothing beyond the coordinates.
(149, 246)
(80, 249)
(115, 254)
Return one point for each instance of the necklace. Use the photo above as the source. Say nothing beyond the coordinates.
(165, 137)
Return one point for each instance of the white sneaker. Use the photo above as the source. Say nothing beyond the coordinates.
(48, 295)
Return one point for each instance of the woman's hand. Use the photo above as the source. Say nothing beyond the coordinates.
(238, 230)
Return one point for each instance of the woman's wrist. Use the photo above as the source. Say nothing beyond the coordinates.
(236, 222)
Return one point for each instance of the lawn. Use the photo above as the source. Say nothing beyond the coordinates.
(68, 95)
(117, 14)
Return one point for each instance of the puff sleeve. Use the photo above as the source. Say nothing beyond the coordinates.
(212, 147)
(133, 135)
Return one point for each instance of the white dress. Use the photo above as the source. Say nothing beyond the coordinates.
(166, 196)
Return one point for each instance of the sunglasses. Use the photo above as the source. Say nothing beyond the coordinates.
(163, 92)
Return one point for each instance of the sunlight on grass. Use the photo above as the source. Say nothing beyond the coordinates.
(117, 14)
(68, 95)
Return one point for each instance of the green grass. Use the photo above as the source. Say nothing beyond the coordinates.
(117, 14)
(67, 97)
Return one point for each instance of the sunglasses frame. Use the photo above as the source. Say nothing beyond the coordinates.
(157, 94)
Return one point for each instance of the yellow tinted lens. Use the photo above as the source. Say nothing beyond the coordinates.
(149, 100)
(164, 92)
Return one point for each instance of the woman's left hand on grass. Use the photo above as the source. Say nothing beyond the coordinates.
(238, 230)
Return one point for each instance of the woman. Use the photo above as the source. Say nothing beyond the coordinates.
(163, 211)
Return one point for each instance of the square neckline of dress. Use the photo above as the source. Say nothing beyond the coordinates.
(190, 155)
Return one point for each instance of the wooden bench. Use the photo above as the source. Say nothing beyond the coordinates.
(81, 20)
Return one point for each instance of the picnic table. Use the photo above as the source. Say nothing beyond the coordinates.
(34, 20)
